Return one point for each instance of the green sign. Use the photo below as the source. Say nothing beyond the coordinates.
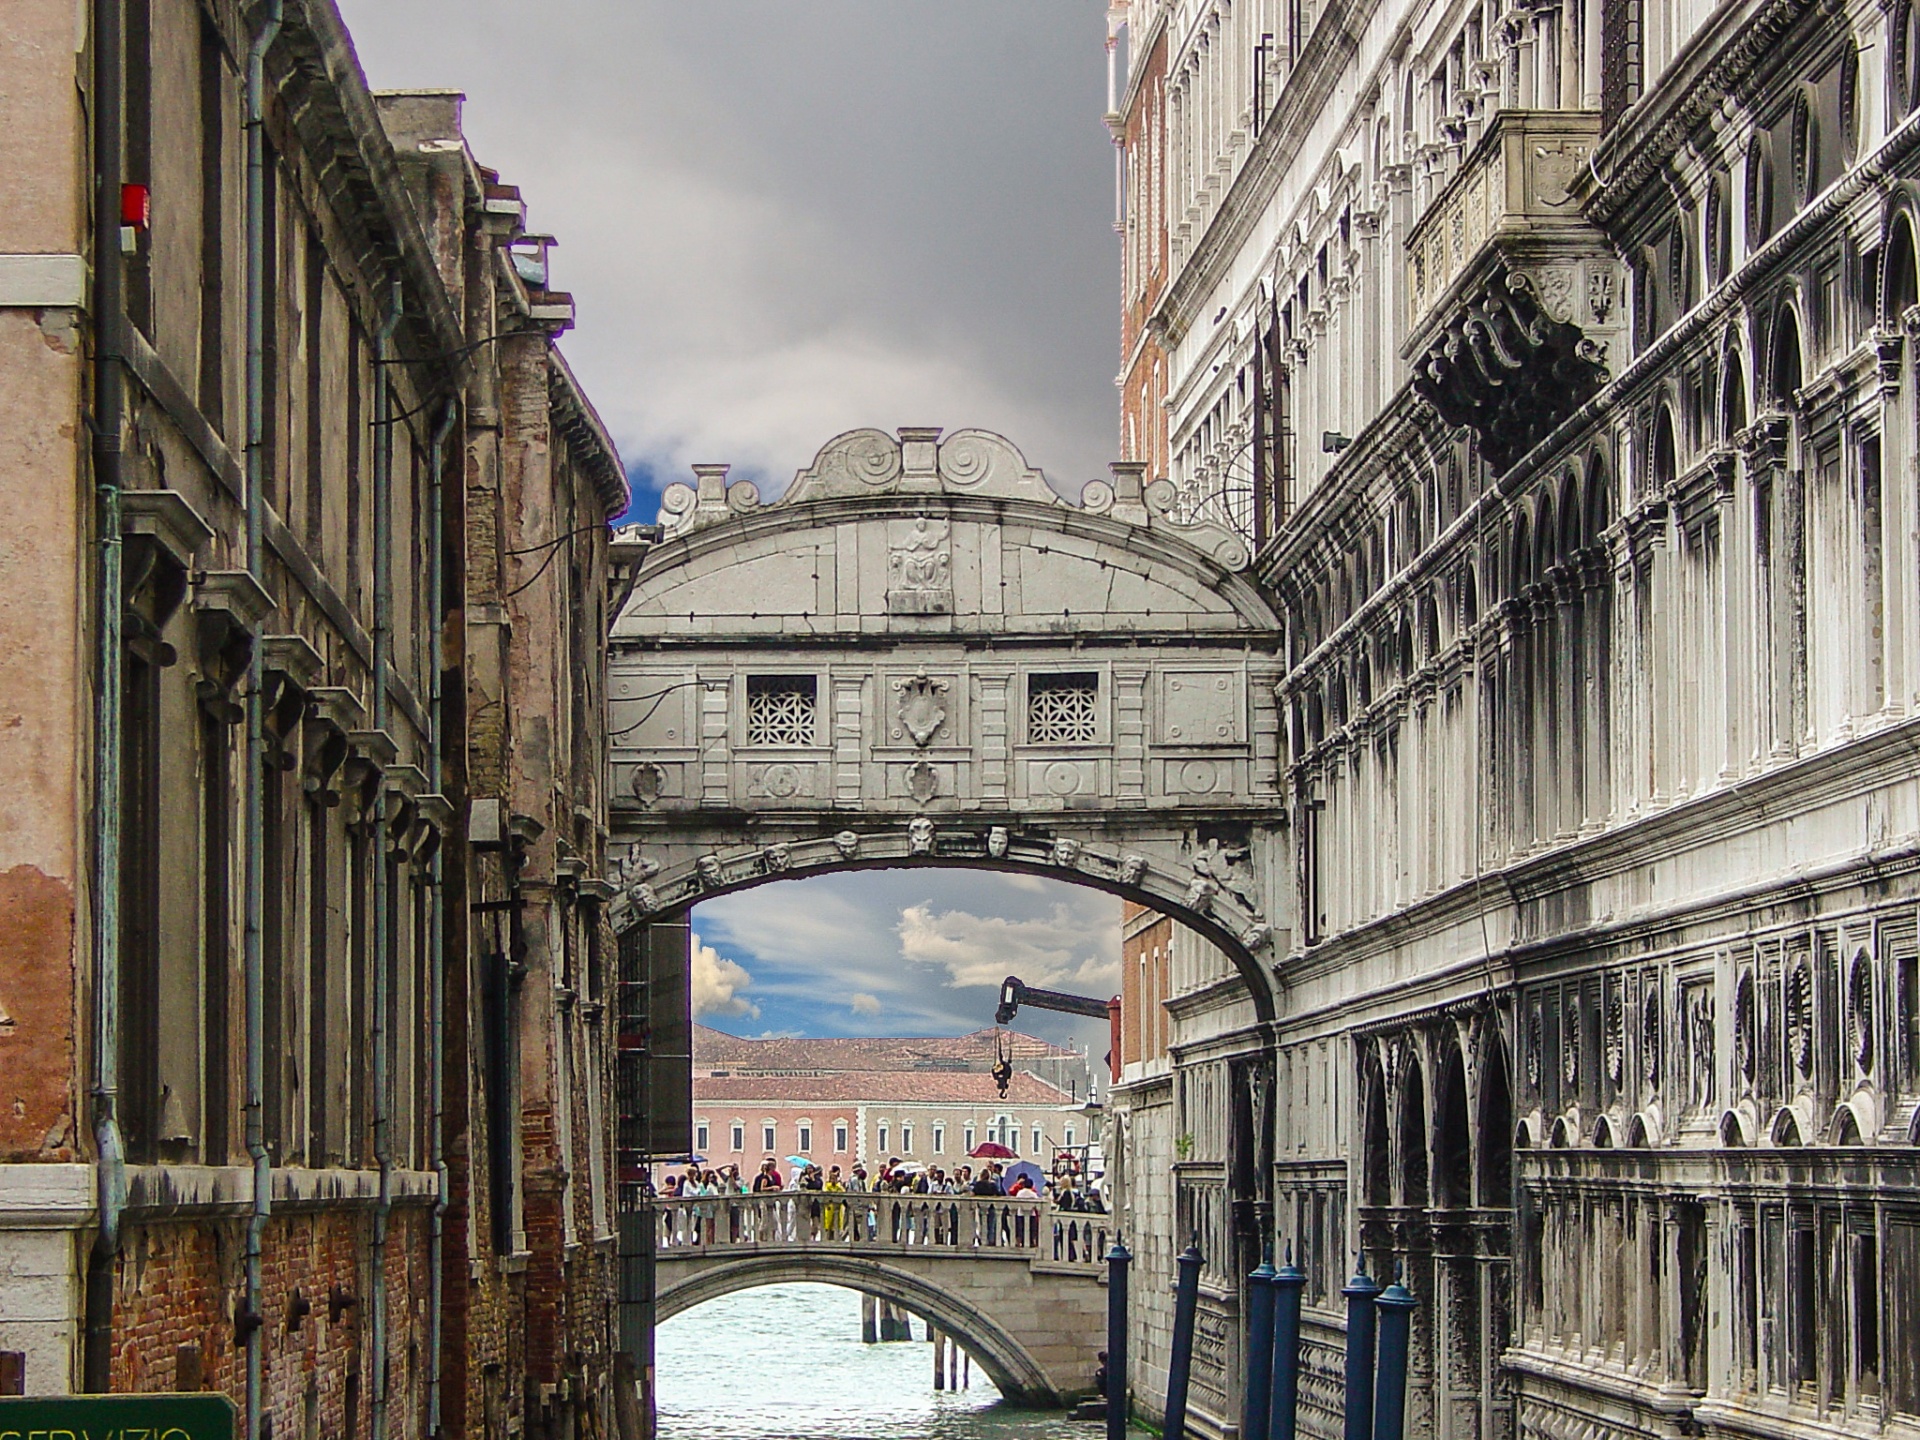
(118, 1417)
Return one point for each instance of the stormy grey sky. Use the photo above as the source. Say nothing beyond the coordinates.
(779, 222)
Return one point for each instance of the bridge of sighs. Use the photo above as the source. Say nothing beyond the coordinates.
(921, 654)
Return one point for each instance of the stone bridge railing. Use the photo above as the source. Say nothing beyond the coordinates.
(962, 1226)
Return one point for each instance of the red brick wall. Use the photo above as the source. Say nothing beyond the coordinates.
(181, 1281)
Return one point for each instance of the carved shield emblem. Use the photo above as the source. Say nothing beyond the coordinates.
(921, 711)
(649, 783)
(923, 782)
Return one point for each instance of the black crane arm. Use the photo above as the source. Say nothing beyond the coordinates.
(1014, 993)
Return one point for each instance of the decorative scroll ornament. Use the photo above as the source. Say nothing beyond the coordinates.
(997, 841)
(1507, 370)
(920, 710)
(920, 836)
(863, 463)
(1066, 853)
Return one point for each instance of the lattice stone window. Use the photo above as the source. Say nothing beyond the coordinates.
(780, 709)
(1061, 709)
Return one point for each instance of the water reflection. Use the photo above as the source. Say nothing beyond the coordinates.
(785, 1362)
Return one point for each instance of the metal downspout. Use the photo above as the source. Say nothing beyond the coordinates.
(251, 789)
(436, 955)
(109, 406)
(382, 919)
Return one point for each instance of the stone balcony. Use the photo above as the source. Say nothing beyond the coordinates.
(1516, 311)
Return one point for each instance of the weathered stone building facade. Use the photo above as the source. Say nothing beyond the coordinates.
(301, 963)
(1559, 356)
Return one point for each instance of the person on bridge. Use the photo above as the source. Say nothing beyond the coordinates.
(835, 1217)
(768, 1178)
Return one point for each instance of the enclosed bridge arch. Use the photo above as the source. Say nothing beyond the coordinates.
(921, 654)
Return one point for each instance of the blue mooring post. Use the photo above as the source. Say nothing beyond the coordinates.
(1288, 1285)
(1360, 1291)
(1395, 1305)
(1259, 1397)
(1186, 1303)
(1118, 1259)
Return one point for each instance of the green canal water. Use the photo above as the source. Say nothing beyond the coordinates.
(785, 1363)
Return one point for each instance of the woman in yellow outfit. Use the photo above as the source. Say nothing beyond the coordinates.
(836, 1215)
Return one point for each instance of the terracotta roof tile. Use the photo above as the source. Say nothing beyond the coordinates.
(914, 1054)
(925, 1087)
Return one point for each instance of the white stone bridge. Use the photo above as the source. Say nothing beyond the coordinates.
(920, 654)
(1019, 1284)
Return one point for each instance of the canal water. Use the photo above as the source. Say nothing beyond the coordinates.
(785, 1362)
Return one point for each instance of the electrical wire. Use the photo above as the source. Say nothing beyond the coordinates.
(658, 697)
(549, 544)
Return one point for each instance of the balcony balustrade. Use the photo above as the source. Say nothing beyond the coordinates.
(1515, 307)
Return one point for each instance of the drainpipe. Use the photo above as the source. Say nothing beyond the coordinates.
(109, 406)
(255, 817)
(382, 921)
(436, 1155)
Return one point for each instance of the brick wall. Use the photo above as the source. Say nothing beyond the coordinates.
(181, 1283)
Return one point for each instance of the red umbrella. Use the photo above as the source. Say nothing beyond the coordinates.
(990, 1150)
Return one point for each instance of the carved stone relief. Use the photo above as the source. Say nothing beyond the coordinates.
(919, 567)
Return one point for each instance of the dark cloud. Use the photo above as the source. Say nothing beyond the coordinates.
(780, 221)
(783, 220)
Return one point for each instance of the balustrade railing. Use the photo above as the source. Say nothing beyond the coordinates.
(1028, 1228)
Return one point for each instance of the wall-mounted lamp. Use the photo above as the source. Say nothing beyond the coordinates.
(1332, 442)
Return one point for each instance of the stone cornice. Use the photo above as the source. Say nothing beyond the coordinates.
(1709, 69)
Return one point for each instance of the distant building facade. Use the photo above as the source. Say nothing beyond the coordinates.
(293, 698)
(860, 1100)
(869, 1117)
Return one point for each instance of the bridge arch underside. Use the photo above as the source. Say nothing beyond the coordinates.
(1012, 1367)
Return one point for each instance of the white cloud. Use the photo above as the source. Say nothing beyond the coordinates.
(864, 1004)
(1057, 948)
(717, 981)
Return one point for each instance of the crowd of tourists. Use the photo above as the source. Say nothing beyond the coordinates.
(1064, 1187)
(706, 1217)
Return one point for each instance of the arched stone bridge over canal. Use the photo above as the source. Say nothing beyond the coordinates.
(1019, 1284)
